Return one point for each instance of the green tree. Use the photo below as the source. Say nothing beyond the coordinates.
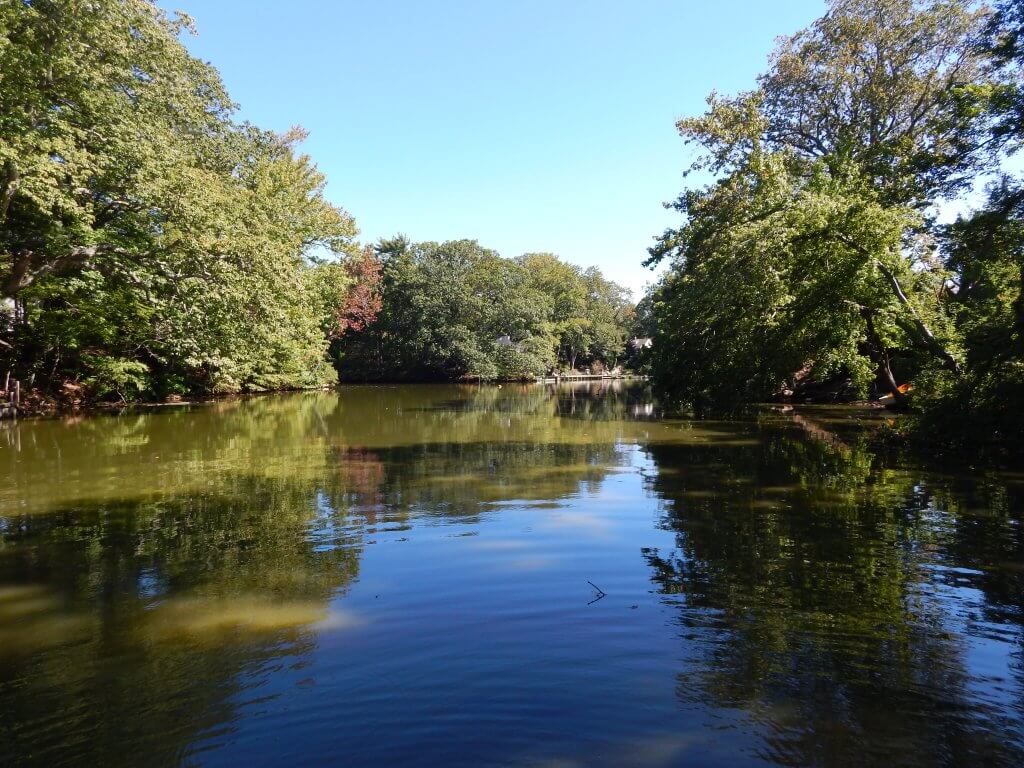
(450, 310)
(895, 87)
(589, 314)
(456, 310)
(985, 254)
(809, 256)
(142, 230)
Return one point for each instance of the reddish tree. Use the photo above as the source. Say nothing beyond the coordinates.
(362, 301)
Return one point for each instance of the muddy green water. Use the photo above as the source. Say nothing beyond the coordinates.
(402, 576)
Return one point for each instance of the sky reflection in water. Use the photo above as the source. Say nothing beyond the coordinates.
(401, 574)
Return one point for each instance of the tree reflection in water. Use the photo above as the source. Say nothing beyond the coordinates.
(826, 593)
(144, 622)
(200, 585)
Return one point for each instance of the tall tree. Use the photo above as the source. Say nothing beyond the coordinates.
(809, 255)
(985, 254)
(457, 310)
(148, 241)
(589, 314)
(892, 86)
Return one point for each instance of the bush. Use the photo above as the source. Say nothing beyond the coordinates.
(115, 375)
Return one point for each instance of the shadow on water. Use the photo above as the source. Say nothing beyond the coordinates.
(857, 613)
(283, 579)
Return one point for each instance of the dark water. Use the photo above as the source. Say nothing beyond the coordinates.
(400, 576)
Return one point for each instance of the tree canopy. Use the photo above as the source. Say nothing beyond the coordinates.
(458, 310)
(814, 258)
(148, 241)
(152, 244)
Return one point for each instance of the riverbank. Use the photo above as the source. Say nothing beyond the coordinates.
(71, 398)
(590, 377)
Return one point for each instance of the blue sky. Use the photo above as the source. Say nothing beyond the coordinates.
(529, 126)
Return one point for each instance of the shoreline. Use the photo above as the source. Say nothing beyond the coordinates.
(38, 404)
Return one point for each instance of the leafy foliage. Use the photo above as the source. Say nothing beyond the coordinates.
(457, 310)
(140, 223)
(813, 257)
(152, 245)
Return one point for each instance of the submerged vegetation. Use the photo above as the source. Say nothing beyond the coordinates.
(258, 580)
(815, 261)
(238, 570)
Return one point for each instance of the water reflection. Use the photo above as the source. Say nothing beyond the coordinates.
(283, 579)
(856, 612)
(136, 618)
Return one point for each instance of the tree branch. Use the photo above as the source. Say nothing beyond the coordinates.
(922, 329)
(28, 266)
(932, 343)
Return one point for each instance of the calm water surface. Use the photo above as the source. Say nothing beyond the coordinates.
(401, 575)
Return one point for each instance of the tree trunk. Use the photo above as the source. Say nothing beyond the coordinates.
(1018, 308)
(881, 358)
(28, 266)
(925, 333)
(9, 187)
(933, 344)
(18, 277)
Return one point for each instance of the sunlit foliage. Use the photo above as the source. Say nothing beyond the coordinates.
(812, 262)
(457, 310)
(150, 243)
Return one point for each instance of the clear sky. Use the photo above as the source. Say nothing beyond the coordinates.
(534, 125)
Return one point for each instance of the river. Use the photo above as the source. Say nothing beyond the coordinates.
(516, 575)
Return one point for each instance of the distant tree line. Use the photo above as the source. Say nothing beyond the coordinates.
(457, 310)
(151, 244)
(815, 263)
